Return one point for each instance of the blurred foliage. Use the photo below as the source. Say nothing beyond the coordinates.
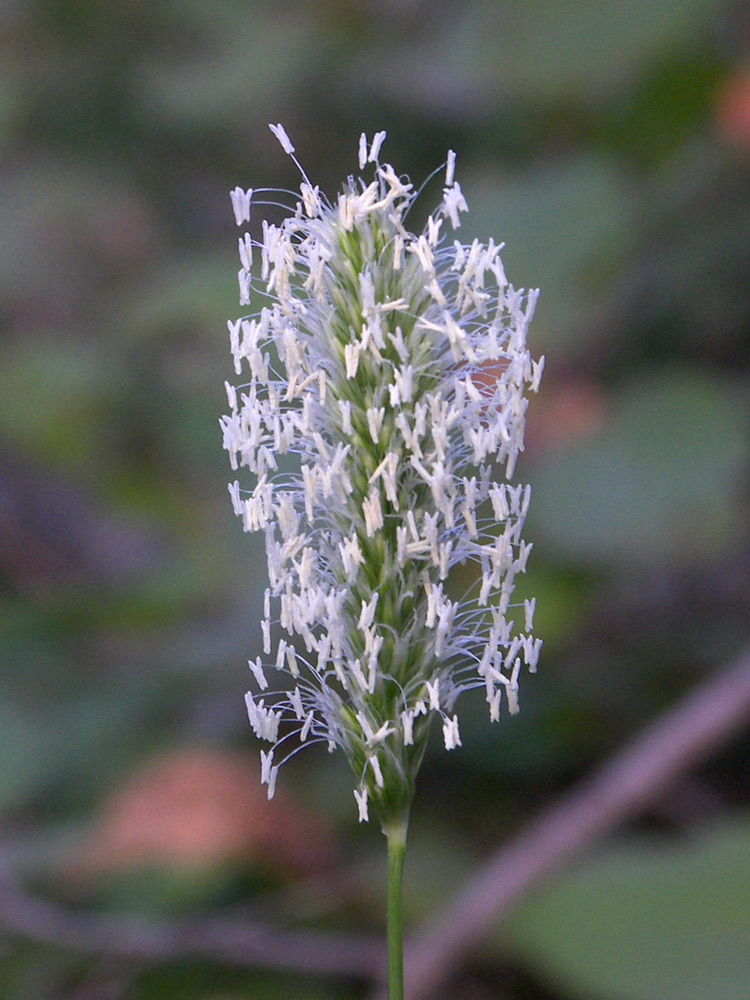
(608, 145)
(664, 475)
(647, 922)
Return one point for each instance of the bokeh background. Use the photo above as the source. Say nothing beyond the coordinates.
(608, 145)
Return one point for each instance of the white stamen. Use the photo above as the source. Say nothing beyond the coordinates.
(451, 736)
(361, 797)
(450, 168)
(241, 204)
(257, 669)
(280, 132)
(377, 142)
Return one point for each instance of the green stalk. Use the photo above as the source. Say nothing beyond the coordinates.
(396, 835)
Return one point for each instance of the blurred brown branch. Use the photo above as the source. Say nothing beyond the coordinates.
(234, 941)
(705, 719)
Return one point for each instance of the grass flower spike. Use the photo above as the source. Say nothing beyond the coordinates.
(385, 384)
(384, 381)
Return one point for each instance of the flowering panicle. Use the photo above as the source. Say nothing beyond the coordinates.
(393, 366)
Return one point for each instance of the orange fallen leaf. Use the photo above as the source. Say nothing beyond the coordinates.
(565, 414)
(203, 808)
(732, 109)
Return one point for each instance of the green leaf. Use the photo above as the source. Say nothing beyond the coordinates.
(556, 220)
(488, 54)
(662, 480)
(53, 400)
(646, 922)
(249, 60)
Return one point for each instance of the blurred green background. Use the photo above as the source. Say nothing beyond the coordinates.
(608, 145)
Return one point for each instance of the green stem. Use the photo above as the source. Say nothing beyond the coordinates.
(396, 835)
